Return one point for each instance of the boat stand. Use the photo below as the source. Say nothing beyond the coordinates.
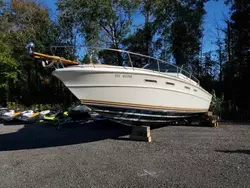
(208, 119)
(141, 133)
(205, 120)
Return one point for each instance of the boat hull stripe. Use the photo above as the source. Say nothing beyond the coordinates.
(129, 105)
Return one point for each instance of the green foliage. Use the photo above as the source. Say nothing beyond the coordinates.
(216, 105)
(22, 21)
(8, 65)
(14, 106)
(43, 107)
(40, 107)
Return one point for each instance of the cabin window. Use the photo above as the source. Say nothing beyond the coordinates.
(152, 81)
(187, 87)
(195, 90)
(170, 83)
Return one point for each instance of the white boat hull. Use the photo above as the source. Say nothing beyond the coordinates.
(118, 92)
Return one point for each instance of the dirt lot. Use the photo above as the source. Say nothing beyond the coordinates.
(100, 155)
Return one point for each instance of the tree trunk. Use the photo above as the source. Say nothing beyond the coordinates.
(7, 91)
(147, 29)
(220, 63)
(228, 42)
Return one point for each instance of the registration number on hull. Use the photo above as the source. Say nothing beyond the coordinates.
(123, 75)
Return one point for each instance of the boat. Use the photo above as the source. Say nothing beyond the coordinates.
(158, 92)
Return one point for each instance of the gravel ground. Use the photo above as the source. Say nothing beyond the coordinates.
(100, 155)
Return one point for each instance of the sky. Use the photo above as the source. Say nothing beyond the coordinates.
(216, 12)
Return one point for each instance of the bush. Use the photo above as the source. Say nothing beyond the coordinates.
(15, 106)
(216, 105)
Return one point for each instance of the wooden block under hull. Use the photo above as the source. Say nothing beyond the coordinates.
(209, 113)
(140, 138)
(210, 121)
(141, 133)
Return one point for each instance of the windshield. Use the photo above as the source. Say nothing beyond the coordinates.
(164, 67)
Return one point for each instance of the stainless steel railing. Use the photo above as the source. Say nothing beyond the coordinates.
(179, 70)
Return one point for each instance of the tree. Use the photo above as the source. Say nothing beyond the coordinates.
(24, 21)
(180, 24)
(237, 67)
(219, 38)
(8, 67)
(108, 21)
(102, 23)
(142, 40)
(147, 9)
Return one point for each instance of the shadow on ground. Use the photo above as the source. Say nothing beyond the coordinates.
(235, 151)
(33, 136)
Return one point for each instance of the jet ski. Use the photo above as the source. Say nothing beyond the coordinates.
(62, 117)
(31, 116)
(10, 115)
(49, 117)
(80, 112)
(77, 114)
(28, 116)
(2, 111)
(42, 114)
(53, 116)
